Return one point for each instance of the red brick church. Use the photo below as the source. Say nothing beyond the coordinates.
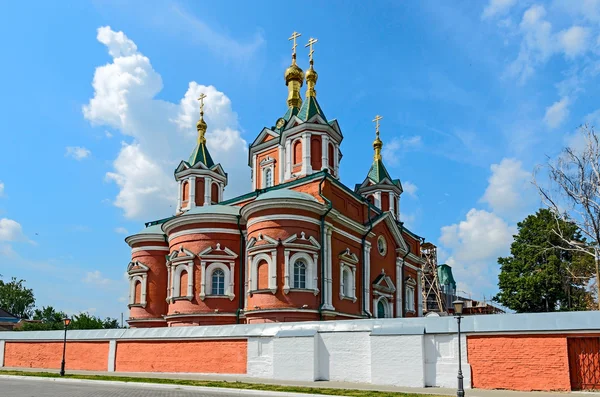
(300, 246)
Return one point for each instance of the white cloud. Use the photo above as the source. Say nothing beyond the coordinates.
(574, 41)
(539, 43)
(497, 7)
(509, 192)
(1, 188)
(163, 132)
(408, 218)
(7, 250)
(11, 230)
(392, 150)
(474, 246)
(97, 278)
(77, 152)
(121, 230)
(410, 188)
(108, 134)
(557, 113)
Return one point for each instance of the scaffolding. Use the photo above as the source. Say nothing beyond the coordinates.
(430, 283)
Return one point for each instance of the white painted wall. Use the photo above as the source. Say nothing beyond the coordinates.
(260, 357)
(397, 360)
(441, 358)
(345, 356)
(295, 358)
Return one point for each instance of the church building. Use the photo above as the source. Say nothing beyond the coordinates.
(300, 246)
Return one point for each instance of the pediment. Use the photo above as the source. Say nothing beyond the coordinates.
(264, 136)
(181, 254)
(389, 220)
(217, 252)
(218, 169)
(384, 283)
(317, 119)
(136, 267)
(348, 256)
(301, 242)
(262, 241)
(183, 165)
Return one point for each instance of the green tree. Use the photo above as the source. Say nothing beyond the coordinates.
(543, 274)
(15, 298)
(47, 318)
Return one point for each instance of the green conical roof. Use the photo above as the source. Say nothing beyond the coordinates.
(201, 155)
(309, 108)
(445, 275)
(378, 173)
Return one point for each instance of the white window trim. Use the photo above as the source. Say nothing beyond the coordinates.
(344, 266)
(206, 284)
(408, 299)
(293, 151)
(176, 281)
(143, 279)
(389, 307)
(272, 267)
(311, 274)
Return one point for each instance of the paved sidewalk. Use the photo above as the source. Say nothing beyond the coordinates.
(321, 384)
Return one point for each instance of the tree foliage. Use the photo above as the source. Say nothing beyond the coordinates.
(50, 319)
(16, 299)
(543, 274)
(573, 193)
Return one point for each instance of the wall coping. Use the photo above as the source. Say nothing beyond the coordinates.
(493, 323)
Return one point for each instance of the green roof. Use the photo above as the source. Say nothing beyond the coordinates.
(201, 155)
(285, 194)
(154, 229)
(445, 275)
(309, 108)
(214, 209)
(378, 173)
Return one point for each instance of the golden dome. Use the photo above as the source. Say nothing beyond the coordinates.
(294, 73)
(311, 75)
(201, 127)
(377, 145)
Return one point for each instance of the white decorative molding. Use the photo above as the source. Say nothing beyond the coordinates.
(138, 272)
(310, 277)
(387, 304)
(149, 248)
(399, 281)
(203, 231)
(347, 281)
(192, 200)
(206, 285)
(328, 282)
(271, 261)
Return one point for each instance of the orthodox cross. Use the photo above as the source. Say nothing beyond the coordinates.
(201, 99)
(376, 120)
(295, 35)
(310, 43)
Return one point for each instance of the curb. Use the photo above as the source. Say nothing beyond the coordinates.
(214, 390)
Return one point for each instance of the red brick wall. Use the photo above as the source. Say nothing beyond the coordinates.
(88, 356)
(519, 362)
(217, 357)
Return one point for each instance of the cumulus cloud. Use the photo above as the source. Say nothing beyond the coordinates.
(96, 278)
(121, 230)
(410, 188)
(77, 152)
(1, 188)
(557, 113)
(11, 230)
(162, 132)
(392, 150)
(497, 7)
(509, 193)
(539, 43)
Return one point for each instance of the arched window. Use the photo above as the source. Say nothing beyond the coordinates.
(330, 153)
(262, 271)
(381, 309)
(183, 283)
(315, 153)
(218, 282)
(268, 177)
(410, 298)
(297, 152)
(137, 296)
(299, 274)
(185, 196)
(200, 192)
(347, 279)
(214, 193)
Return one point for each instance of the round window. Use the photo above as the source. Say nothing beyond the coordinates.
(381, 245)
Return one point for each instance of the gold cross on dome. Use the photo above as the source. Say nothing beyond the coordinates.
(376, 121)
(201, 99)
(295, 35)
(310, 43)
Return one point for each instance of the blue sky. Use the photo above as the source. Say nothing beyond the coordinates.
(98, 107)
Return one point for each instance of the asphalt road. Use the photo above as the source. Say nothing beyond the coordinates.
(43, 388)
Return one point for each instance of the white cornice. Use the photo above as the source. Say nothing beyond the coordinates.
(149, 248)
(206, 230)
(282, 217)
(191, 219)
(142, 237)
(312, 127)
(201, 172)
(281, 203)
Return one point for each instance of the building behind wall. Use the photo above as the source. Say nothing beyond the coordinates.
(301, 245)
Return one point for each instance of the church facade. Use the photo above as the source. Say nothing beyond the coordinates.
(301, 246)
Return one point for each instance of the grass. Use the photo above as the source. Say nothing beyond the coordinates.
(232, 385)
